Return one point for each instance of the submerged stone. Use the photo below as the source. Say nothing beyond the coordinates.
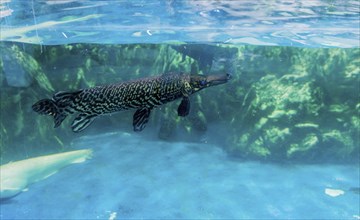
(15, 74)
(334, 192)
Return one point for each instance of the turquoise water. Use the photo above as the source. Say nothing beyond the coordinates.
(193, 175)
(139, 178)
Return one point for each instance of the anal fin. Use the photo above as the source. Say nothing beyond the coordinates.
(82, 121)
(184, 107)
(140, 118)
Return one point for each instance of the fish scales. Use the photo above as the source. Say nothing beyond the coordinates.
(149, 92)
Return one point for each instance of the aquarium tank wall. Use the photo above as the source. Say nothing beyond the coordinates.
(279, 138)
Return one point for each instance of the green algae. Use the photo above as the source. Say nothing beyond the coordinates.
(29, 65)
(291, 108)
(310, 141)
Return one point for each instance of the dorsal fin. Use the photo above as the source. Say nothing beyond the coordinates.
(65, 96)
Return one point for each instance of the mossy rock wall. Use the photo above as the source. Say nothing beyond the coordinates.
(295, 104)
(282, 104)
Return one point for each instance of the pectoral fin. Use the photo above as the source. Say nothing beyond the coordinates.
(184, 107)
(81, 122)
(141, 117)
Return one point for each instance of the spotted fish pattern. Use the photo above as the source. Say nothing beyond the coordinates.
(141, 94)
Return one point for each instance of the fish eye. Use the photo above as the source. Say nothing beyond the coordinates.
(202, 82)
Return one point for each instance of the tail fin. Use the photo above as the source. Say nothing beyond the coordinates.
(58, 106)
(49, 107)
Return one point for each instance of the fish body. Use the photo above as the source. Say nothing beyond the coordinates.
(142, 94)
(17, 176)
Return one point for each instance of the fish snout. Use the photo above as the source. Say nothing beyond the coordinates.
(218, 79)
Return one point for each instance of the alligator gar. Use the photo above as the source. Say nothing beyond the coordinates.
(142, 94)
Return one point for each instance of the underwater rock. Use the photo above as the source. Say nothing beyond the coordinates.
(210, 57)
(341, 142)
(334, 192)
(296, 108)
(15, 74)
(30, 66)
(310, 141)
(271, 112)
(259, 149)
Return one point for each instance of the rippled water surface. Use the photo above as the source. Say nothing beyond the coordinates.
(309, 23)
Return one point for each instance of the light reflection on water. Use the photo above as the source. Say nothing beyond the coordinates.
(287, 23)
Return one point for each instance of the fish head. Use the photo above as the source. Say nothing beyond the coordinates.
(199, 82)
